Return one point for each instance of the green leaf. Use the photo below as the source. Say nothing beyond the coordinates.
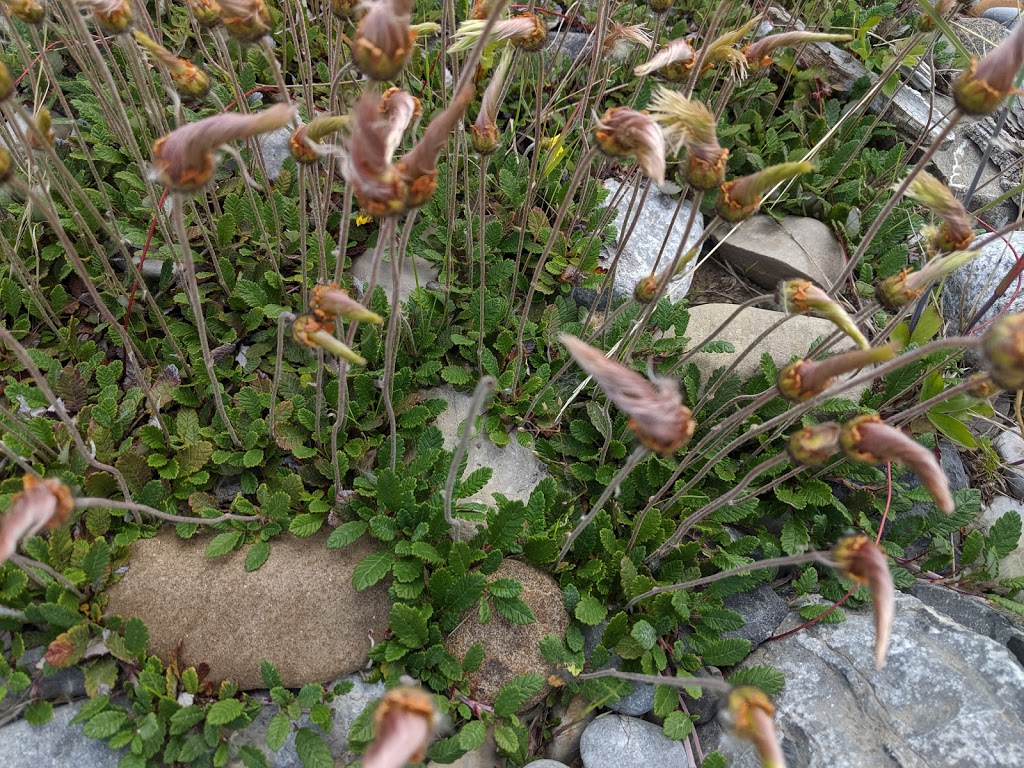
(666, 700)
(136, 636)
(472, 735)
(38, 713)
(768, 679)
(1011, 605)
(257, 556)
(184, 719)
(251, 293)
(952, 428)
(590, 611)
(105, 724)
(223, 543)
(678, 726)
(277, 731)
(253, 757)
(1004, 535)
(95, 563)
(474, 658)
(513, 609)
(644, 634)
(517, 692)
(223, 712)
(345, 534)
(312, 751)
(726, 651)
(305, 525)
(372, 569)
(270, 675)
(795, 538)
(409, 626)
(506, 739)
(252, 458)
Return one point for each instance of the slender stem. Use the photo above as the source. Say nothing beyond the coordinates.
(27, 563)
(484, 387)
(128, 506)
(282, 319)
(711, 683)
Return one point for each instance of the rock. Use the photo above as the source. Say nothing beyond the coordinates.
(1012, 566)
(974, 612)
(414, 272)
(346, 709)
(546, 764)
(1010, 447)
(953, 466)
(517, 470)
(956, 165)
(61, 685)
(763, 611)
(1004, 16)
(706, 707)
(274, 147)
(946, 697)
(299, 611)
(640, 253)
(973, 284)
(512, 649)
(58, 744)
(769, 251)
(566, 45)
(794, 337)
(640, 700)
(616, 741)
(565, 738)
(979, 34)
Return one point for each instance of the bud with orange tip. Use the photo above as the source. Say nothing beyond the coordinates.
(803, 379)
(112, 16)
(898, 290)
(329, 301)
(206, 12)
(804, 297)
(815, 444)
(955, 233)
(676, 55)
(863, 562)
(42, 503)
(759, 54)
(740, 198)
(246, 20)
(186, 76)
(383, 40)
(688, 123)
(484, 131)
(751, 713)
(1003, 348)
(304, 140)
(28, 11)
(983, 86)
(308, 331)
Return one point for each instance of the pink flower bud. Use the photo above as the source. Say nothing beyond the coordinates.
(863, 562)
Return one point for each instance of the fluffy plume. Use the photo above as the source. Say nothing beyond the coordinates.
(42, 503)
(526, 32)
(862, 562)
(625, 132)
(377, 185)
(898, 290)
(113, 17)
(688, 123)
(484, 131)
(759, 54)
(399, 109)
(621, 38)
(955, 232)
(985, 84)
(676, 54)
(740, 198)
(721, 50)
(661, 422)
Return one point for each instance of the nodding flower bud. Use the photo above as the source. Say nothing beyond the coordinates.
(418, 168)
(804, 297)
(186, 76)
(646, 289)
(1003, 348)
(863, 562)
(184, 159)
(867, 439)
(42, 503)
(943, 8)
(955, 232)
(620, 39)
(804, 379)
(751, 713)
(399, 109)
(6, 165)
(659, 6)
(688, 123)
(740, 198)
(206, 12)
(405, 721)
(306, 138)
(346, 9)
(28, 11)
(983, 387)
(526, 32)
(383, 40)
(246, 20)
(484, 132)
(815, 444)
(896, 291)
(308, 331)
(981, 87)
(676, 54)
(329, 301)
(759, 54)
(378, 187)
(656, 413)
(6, 82)
(625, 132)
(112, 16)
(41, 133)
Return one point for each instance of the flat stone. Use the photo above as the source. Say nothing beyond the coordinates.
(546, 764)
(299, 611)
(573, 721)
(769, 251)
(414, 272)
(656, 221)
(947, 696)
(1004, 16)
(1010, 447)
(512, 649)
(763, 611)
(793, 338)
(957, 164)
(517, 470)
(617, 741)
(1011, 566)
(58, 744)
(978, 614)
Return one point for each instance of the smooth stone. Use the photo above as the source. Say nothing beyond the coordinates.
(414, 272)
(1011, 566)
(975, 612)
(573, 721)
(953, 465)
(276, 150)
(58, 744)
(1004, 16)
(61, 685)
(546, 764)
(640, 700)
(1010, 447)
(769, 251)
(763, 611)
(511, 649)
(793, 338)
(973, 284)
(299, 611)
(947, 696)
(617, 741)
(517, 470)
(656, 219)
(346, 709)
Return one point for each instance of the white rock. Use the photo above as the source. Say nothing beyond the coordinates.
(414, 272)
(973, 284)
(1011, 449)
(1012, 565)
(617, 741)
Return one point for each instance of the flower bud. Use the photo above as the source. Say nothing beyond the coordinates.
(690, 124)
(759, 54)
(41, 133)
(740, 198)
(328, 301)
(1003, 348)
(308, 331)
(405, 720)
(804, 297)
(376, 183)
(186, 76)
(803, 379)
(346, 9)
(898, 290)
(815, 444)
(399, 109)
(112, 16)
(625, 132)
(246, 20)
(484, 132)
(6, 82)
(983, 388)
(383, 40)
(863, 562)
(526, 32)
(659, 6)
(6, 165)
(28, 11)
(206, 12)
(955, 233)
(983, 86)
(751, 712)
(646, 289)
(304, 140)
(43, 503)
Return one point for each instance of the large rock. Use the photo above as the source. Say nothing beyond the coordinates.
(957, 164)
(794, 337)
(511, 649)
(617, 741)
(1011, 566)
(517, 470)
(657, 224)
(769, 251)
(640, 699)
(58, 744)
(299, 611)
(761, 609)
(946, 697)
(413, 272)
(978, 614)
(565, 737)
(1010, 447)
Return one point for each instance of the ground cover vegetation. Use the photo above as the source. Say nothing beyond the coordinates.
(178, 310)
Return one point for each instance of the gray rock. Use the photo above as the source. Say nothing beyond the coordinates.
(616, 741)
(1011, 566)
(976, 613)
(762, 609)
(546, 764)
(973, 284)
(979, 34)
(517, 470)
(706, 707)
(957, 164)
(62, 685)
(275, 149)
(565, 738)
(657, 224)
(414, 272)
(640, 700)
(300, 610)
(57, 744)
(1010, 447)
(769, 251)
(346, 709)
(953, 466)
(946, 697)
(1004, 16)
(567, 45)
